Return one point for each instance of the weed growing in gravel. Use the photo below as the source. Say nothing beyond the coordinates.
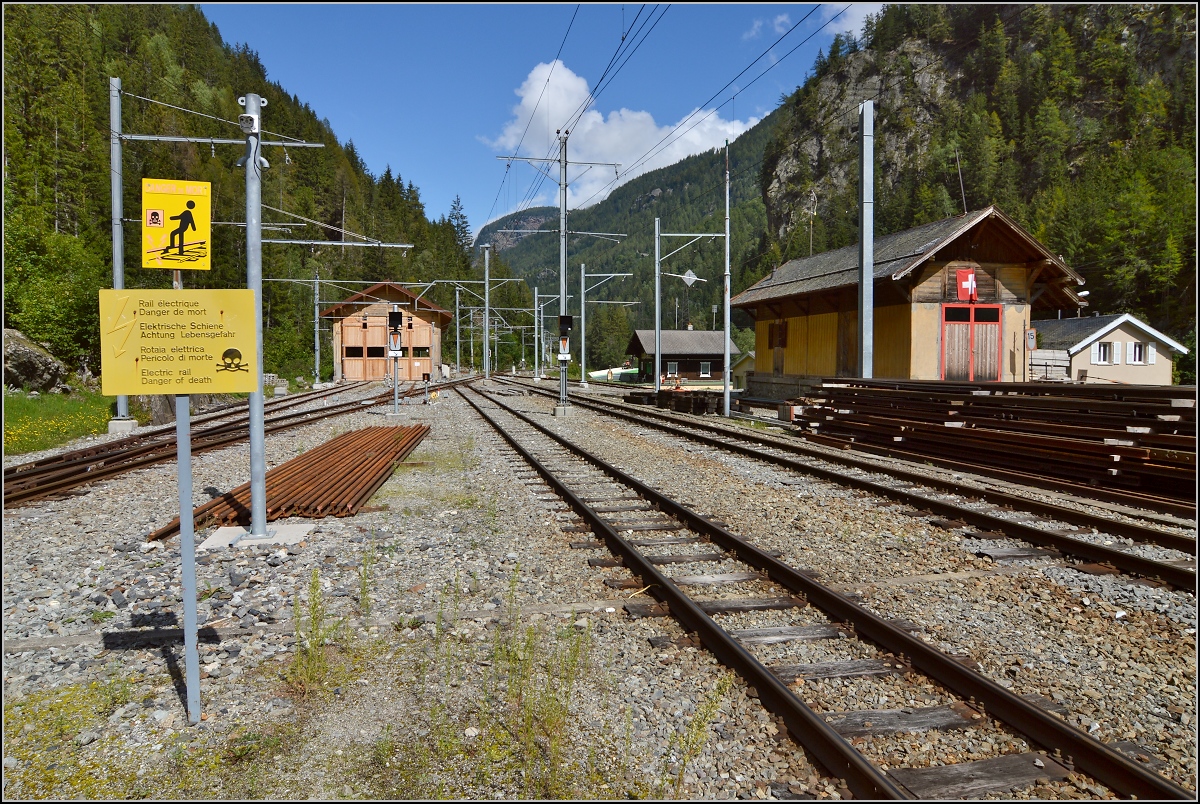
(687, 744)
(310, 665)
(499, 718)
(41, 731)
(365, 572)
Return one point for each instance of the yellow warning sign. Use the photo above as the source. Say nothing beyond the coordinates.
(176, 224)
(177, 342)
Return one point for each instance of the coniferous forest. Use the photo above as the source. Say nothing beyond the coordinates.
(57, 211)
(1076, 120)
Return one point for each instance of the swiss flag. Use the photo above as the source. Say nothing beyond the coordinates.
(966, 284)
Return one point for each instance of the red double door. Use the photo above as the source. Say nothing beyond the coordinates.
(971, 342)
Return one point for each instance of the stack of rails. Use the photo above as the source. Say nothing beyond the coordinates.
(1130, 438)
(334, 479)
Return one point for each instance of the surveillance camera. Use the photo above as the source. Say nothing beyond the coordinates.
(248, 123)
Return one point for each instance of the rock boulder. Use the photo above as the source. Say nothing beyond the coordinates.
(28, 365)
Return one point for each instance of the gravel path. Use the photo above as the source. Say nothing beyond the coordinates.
(469, 584)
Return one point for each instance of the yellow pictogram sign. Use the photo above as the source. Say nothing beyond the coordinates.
(176, 224)
(177, 342)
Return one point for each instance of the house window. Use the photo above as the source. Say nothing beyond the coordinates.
(376, 351)
(705, 368)
(1103, 353)
(354, 351)
(1135, 352)
(420, 351)
(672, 369)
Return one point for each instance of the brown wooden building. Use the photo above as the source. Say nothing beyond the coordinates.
(693, 355)
(953, 301)
(360, 335)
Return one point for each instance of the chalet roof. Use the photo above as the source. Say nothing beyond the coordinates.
(744, 357)
(1076, 334)
(384, 293)
(681, 342)
(895, 255)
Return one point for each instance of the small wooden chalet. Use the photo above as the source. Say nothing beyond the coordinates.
(693, 355)
(1104, 349)
(360, 335)
(953, 300)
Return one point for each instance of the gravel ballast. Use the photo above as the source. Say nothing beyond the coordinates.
(458, 559)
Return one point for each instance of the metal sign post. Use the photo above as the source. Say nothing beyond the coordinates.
(172, 341)
(187, 553)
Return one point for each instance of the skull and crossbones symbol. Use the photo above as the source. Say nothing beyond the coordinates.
(231, 360)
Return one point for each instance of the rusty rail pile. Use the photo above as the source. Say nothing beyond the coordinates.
(334, 479)
(1140, 441)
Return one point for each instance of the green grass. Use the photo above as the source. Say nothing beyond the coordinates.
(51, 420)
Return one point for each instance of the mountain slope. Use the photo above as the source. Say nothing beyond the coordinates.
(1078, 121)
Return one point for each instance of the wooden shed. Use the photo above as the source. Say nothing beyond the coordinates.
(360, 335)
(953, 301)
(694, 355)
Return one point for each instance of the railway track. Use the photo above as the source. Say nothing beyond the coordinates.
(63, 473)
(613, 506)
(990, 510)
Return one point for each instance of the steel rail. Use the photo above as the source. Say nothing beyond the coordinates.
(63, 481)
(59, 480)
(1163, 504)
(809, 728)
(1093, 757)
(1173, 506)
(1134, 531)
(90, 455)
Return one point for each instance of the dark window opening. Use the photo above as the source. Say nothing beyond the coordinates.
(376, 351)
(420, 351)
(354, 351)
(987, 314)
(958, 313)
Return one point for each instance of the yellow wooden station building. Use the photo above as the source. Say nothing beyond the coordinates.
(953, 301)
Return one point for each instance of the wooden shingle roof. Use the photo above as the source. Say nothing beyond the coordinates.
(895, 256)
(680, 342)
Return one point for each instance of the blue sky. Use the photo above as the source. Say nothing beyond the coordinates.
(439, 91)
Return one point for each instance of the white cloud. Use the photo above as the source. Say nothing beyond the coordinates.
(782, 23)
(851, 21)
(754, 31)
(622, 136)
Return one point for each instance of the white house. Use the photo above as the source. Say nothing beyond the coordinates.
(1104, 349)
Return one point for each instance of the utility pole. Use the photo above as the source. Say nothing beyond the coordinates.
(689, 278)
(812, 216)
(564, 320)
(657, 306)
(457, 337)
(866, 240)
(537, 337)
(316, 324)
(123, 423)
(583, 325)
(487, 330)
(583, 289)
(725, 294)
(254, 163)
